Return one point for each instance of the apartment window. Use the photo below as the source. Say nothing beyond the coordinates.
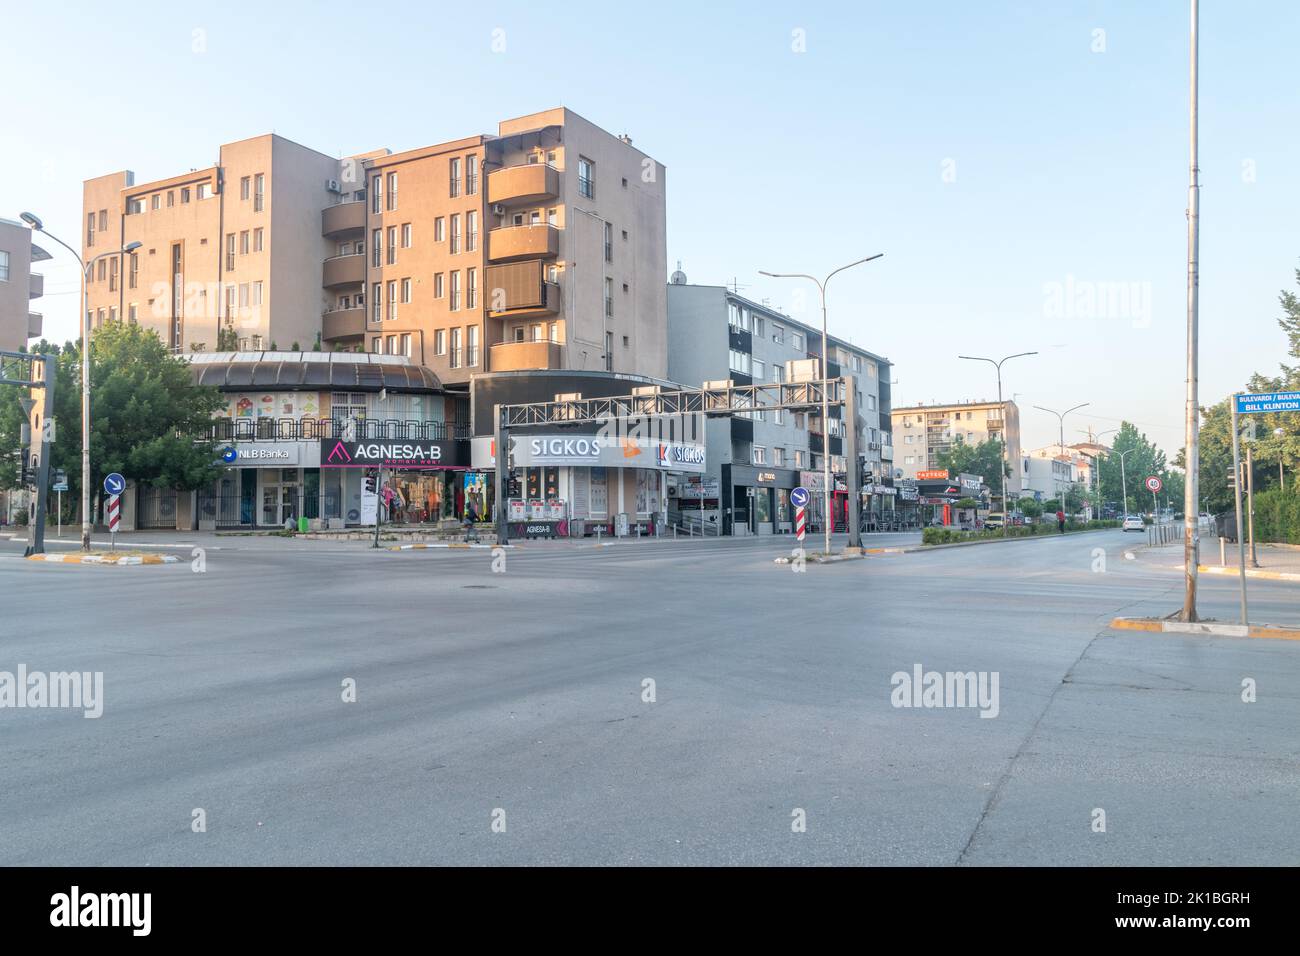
(454, 358)
(406, 235)
(440, 342)
(552, 217)
(609, 351)
(377, 303)
(392, 191)
(758, 326)
(392, 299)
(205, 190)
(4, 266)
(406, 291)
(112, 275)
(609, 296)
(257, 293)
(760, 369)
(155, 201)
(586, 178)
(230, 251)
(778, 418)
(406, 344)
(101, 268)
(455, 291)
(392, 245)
(132, 313)
(471, 289)
(535, 332)
(171, 198)
(259, 192)
(454, 178)
(103, 220)
(455, 234)
(555, 332)
(376, 194)
(112, 314)
(230, 302)
(245, 187)
(134, 277)
(377, 248)
(375, 345)
(609, 242)
(760, 455)
(259, 236)
(243, 295)
(519, 333)
(438, 290)
(778, 334)
(471, 231)
(185, 195)
(471, 178)
(801, 459)
(134, 207)
(99, 318)
(871, 402)
(244, 242)
(392, 345)
(471, 351)
(439, 229)
(90, 228)
(739, 361)
(796, 340)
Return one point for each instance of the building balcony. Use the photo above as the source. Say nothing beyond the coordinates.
(35, 322)
(35, 285)
(519, 356)
(511, 243)
(344, 270)
(531, 182)
(521, 288)
(343, 324)
(343, 219)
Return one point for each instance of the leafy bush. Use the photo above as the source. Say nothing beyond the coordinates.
(954, 535)
(1277, 515)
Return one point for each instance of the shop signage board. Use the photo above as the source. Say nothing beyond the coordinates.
(603, 451)
(388, 453)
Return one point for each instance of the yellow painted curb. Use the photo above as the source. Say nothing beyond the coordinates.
(1250, 572)
(1134, 624)
(1206, 628)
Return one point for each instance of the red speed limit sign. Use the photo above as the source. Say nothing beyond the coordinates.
(1154, 484)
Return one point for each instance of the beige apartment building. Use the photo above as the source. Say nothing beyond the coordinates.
(540, 247)
(923, 432)
(19, 285)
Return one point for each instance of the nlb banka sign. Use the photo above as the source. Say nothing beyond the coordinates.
(387, 453)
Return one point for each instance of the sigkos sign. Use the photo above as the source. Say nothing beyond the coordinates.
(600, 451)
(387, 453)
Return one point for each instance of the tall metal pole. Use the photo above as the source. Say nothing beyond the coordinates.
(1191, 496)
(1006, 452)
(1250, 502)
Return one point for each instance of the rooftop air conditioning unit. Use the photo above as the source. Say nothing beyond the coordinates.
(333, 186)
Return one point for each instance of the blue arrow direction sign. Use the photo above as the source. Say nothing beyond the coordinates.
(799, 497)
(114, 484)
(1262, 403)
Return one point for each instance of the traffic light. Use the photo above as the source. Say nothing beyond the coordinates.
(31, 464)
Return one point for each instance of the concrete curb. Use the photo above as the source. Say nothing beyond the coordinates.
(1210, 628)
(856, 555)
(1250, 572)
(454, 545)
(123, 560)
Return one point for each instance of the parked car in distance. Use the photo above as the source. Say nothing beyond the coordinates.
(1133, 523)
(994, 519)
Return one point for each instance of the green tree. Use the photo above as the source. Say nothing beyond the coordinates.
(1142, 458)
(148, 419)
(983, 459)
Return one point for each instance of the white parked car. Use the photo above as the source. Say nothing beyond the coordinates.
(1133, 523)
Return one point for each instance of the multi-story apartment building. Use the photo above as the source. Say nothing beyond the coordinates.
(1050, 471)
(715, 334)
(19, 285)
(924, 432)
(542, 247)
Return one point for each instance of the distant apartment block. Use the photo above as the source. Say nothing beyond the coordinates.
(924, 432)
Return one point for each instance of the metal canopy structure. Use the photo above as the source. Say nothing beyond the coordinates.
(34, 371)
(715, 400)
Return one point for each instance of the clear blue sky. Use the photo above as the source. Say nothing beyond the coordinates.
(1068, 162)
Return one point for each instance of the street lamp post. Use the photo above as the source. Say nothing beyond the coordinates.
(1060, 417)
(826, 356)
(35, 222)
(1101, 505)
(1123, 479)
(1006, 461)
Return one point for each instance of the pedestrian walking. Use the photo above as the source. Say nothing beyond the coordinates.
(1060, 520)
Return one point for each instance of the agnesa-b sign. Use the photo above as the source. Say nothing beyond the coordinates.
(335, 453)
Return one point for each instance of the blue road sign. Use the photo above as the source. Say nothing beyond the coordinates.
(799, 497)
(228, 455)
(1262, 403)
(114, 484)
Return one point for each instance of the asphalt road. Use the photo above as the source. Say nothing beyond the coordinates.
(522, 692)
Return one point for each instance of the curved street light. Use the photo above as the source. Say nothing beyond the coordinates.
(1006, 451)
(38, 226)
(828, 519)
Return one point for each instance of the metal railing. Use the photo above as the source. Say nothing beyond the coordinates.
(310, 429)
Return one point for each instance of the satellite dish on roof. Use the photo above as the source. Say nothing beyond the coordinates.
(678, 277)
